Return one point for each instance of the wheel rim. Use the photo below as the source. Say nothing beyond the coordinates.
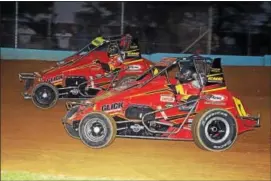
(45, 95)
(95, 130)
(217, 130)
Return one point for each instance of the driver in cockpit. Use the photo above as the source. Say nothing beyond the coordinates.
(128, 48)
(189, 82)
(188, 86)
(116, 60)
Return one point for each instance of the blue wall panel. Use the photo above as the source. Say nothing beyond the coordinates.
(33, 54)
(54, 55)
(267, 60)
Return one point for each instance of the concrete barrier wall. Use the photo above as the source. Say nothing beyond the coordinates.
(55, 55)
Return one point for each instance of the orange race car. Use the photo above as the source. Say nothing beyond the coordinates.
(100, 66)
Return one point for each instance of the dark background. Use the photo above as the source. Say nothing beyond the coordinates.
(238, 28)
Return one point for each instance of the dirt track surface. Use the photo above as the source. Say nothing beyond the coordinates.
(35, 140)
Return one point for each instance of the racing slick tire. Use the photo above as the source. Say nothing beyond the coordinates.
(97, 130)
(214, 129)
(44, 95)
(127, 79)
(69, 129)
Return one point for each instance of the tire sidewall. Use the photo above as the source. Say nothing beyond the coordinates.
(203, 122)
(37, 103)
(107, 124)
(73, 133)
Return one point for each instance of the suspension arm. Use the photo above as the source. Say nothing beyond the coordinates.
(160, 110)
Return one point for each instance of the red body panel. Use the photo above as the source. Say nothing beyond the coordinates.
(90, 69)
(81, 67)
(157, 94)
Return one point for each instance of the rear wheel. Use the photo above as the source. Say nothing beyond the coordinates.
(69, 128)
(214, 129)
(97, 130)
(45, 95)
(126, 80)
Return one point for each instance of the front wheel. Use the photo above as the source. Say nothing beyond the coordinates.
(214, 129)
(45, 95)
(97, 130)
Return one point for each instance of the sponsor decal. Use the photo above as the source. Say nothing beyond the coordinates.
(132, 54)
(112, 107)
(186, 107)
(215, 97)
(54, 79)
(216, 103)
(136, 128)
(134, 67)
(219, 113)
(215, 78)
(167, 98)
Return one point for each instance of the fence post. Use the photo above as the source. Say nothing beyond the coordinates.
(122, 18)
(210, 27)
(16, 25)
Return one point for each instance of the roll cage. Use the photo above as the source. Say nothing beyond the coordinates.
(201, 64)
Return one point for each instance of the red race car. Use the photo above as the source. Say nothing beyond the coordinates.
(86, 73)
(195, 104)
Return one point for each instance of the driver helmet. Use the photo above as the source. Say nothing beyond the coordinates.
(112, 50)
(186, 74)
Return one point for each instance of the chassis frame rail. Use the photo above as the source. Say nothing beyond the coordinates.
(26, 76)
(161, 110)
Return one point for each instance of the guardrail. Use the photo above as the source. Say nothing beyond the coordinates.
(55, 55)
